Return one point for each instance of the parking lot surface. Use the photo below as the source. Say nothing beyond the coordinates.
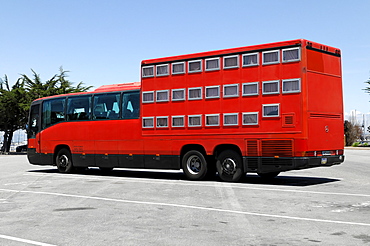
(321, 206)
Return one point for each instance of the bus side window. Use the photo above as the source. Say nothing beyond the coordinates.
(106, 106)
(78, 108)
(131, 105)
(53, 112)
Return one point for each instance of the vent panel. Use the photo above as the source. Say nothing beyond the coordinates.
(281, 148)
(288, 120)
(322, 115)
(252, 148)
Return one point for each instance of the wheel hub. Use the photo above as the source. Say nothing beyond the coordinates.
(63, 161)
(229, 166)
(194, 164)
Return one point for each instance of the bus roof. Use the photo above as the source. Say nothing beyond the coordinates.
(104, 88)
(252, 48)
(119, 87)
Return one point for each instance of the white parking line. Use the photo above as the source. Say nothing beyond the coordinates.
(190, 207)
(25, 240)
(195, 183)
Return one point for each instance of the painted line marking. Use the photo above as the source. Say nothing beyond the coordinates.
(25, 240)
(195, 183)
(190, 207)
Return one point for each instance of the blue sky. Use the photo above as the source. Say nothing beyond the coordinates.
(103, 42)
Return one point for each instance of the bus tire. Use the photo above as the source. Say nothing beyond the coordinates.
(64, 161)
(194, 165)
(229, 166)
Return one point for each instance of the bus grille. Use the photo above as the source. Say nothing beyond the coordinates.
(281, 148)
(252, 147)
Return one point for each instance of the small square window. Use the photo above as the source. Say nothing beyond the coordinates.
(195, 66)
(178, 68)
(178, 94)
(212, 92)
(270, 87)
(162, 121)
(270, 110)
(212, 120)
(291, 55)
(212, 64)
(250, 59)
(291, 86)
(231, 119)
(148, 71)
(148, 122)
(162, 70)
(231, 62)
(178, 121)
(250, 89)
(270, 57)
(195, 93)
(194, 120)
(148, 96)
(231, 90)
(162, 96)
(250, 118)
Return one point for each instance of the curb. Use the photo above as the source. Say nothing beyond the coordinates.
(13, 153)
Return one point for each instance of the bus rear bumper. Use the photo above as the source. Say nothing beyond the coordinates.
(272, 164)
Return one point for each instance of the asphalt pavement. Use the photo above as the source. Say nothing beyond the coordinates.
(320, 206)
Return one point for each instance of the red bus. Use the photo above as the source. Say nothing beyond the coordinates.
(258, 109)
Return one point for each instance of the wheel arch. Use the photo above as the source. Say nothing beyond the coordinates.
(219, 148)
(189, 147)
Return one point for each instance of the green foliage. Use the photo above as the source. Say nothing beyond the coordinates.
(352, 132)
(13, 109)
(58, 84)
(367, 89)
(356, 144)
(15, 101)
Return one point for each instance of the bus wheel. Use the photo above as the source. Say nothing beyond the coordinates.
(64, 161)
(229, 166)
(268, 175)
(194, 165)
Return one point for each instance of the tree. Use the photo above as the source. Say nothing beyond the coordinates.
(13, 109)
(58, 84)
(367, 89)
(15, 101)
(352, 132)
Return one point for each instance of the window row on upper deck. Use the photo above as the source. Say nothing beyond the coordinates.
(228, 91)
(228, 62)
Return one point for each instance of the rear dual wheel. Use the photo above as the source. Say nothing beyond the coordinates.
(229, 166)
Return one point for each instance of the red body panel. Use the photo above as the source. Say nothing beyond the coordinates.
(309, 119)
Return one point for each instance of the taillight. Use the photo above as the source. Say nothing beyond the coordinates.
(323, 153)
(340, 152)
(310, 153)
